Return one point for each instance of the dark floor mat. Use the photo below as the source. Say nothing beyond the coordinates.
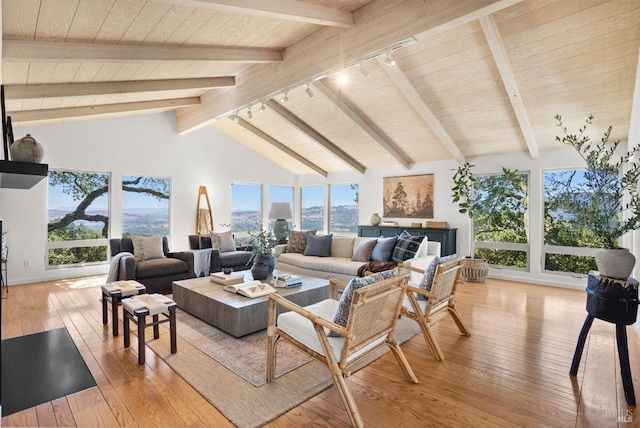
(39, 368)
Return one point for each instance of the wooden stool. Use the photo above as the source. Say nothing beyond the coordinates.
(615, 301)
(114, 292)
(137, 308)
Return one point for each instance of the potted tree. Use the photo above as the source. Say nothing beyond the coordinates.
(262, 254)
(611, 202)
(473, 269)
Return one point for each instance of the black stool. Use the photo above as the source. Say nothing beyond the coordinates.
(137, 308)
(615, 301)
(113, 293)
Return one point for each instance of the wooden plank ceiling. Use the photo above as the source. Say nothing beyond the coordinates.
(471, 78)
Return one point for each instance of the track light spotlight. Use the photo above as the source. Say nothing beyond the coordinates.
(342, 77)
(284, 98)
(309, 91)
(249, 114)
(390, 62)
(363, 71)
(236, 118)
(262, 107)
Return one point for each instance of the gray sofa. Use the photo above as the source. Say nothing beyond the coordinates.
(156, 274)
(339, 264)
(237, 260)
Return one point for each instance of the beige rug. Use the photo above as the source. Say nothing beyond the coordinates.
(201, 364)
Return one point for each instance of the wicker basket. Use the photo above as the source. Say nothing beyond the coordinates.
(474, 270)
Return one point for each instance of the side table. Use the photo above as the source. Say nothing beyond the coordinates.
(615, 301)
(114, 292)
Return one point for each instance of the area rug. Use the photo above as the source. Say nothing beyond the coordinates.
(200, 364)
(38, 368)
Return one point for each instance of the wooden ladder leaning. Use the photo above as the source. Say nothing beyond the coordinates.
(204, 216)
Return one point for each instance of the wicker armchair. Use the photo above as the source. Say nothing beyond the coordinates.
(371, 322)
(440, 299)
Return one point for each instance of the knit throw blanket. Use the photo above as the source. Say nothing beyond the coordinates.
(114, 267)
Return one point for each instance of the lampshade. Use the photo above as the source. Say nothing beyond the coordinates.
(280, 210)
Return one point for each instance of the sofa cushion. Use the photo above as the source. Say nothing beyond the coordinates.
(406, 247)
(223, 241)
(204, 241)
(147, 247)
(235, 258)
(427, 280)
(341, 315)
(342, 246)
(338, 265)
(383, 249)
(318, 245)
(160, 267)
(363, 252)
(298, 240)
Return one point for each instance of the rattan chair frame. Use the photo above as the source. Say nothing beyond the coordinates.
(441, 301)
(374, 314)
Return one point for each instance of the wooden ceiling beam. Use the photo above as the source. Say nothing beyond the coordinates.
(304, 127)
(278, 145)
(329, 50)
(358, 121)
(416, 100)
(41, 51)
(30, 116)
(22, 92)
(499, 52)
(291, 10)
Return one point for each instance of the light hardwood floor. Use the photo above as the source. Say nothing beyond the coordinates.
(512, 371)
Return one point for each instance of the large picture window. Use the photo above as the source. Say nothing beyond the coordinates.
(145, 205)
(501, 222)
(78, 218)
(312, 213)
(343, 217)
(246, 211)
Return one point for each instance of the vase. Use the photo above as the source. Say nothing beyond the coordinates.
(615, 262)
(375, 219)
(262, 266)
(27, 149)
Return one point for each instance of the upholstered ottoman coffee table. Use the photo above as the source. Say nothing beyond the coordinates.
(236, 314)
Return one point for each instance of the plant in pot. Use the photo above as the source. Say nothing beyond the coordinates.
(262, 254)
(609, 203)
(473, 269)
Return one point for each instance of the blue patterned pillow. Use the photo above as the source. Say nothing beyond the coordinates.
(384, 248)
(342, 311)
(406, 247)
(427, 280)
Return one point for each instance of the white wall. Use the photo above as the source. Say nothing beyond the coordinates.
(148, 145)
(145, 145)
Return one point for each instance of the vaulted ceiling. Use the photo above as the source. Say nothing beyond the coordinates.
(472, 78)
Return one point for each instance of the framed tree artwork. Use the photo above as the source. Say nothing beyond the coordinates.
(408, 196)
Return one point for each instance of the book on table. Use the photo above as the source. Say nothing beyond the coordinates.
(227, 279)
(250, 289)
(286, 280)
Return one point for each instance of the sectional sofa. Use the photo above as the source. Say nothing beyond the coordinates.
(339, 263)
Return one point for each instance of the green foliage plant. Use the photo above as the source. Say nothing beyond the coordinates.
(462, 194)
(612, 206)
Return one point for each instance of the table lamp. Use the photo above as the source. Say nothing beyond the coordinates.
(280, 212)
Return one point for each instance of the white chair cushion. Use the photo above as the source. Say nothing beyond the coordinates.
(301, 329)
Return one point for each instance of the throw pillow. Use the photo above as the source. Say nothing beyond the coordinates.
(298, 240)
(383, 249)
(406, 247)
(204, 241)
(223, 241)
(427, 280)
(364, 250)
(318, 245)
(341, 316)
(147, 247)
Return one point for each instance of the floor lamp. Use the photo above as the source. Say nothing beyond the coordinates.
(280, 212)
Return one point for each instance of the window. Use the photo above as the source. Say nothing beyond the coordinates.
(501, 222)
(78, 215)
(280, 194)
(343, 219)
(569, 245)
(145, 205)
(312, 213)
(246, 211)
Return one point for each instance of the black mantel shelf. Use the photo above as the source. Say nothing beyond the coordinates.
(21, 175)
